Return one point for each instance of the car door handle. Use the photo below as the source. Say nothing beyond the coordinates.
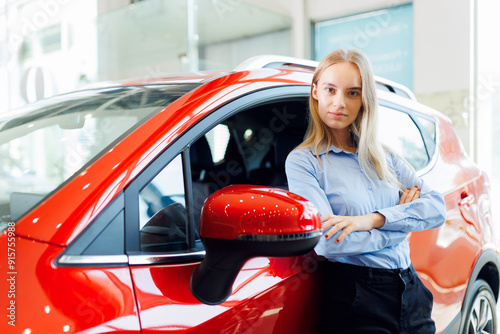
(464, 205)
(466, 198)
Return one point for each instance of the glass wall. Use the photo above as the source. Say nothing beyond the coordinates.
(47, 47)
(157, 37)
(146, 39)
(54, 46)
(487, 93)
(232, 31)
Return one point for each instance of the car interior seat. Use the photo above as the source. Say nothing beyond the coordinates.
(284, 144)
(202, 169)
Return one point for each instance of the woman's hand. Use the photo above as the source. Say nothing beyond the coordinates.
(409, 195)
(350, 224)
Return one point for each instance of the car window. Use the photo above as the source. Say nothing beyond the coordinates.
(162, 211)
(218, 141)
(249, 147)
(429, 126)
(398, 131)
(216, 162)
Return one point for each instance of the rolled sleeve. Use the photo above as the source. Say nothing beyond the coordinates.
(359, 242)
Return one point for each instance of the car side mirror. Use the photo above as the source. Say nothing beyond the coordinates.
(242, 221)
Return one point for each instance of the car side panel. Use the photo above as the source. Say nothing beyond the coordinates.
(480, 207)
(52, 299)
(445, 257)
(268, 294)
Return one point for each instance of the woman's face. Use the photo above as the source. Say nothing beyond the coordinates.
(338, 93)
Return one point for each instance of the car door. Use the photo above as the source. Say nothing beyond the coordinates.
(270, 295)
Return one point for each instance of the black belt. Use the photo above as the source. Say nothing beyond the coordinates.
(338, 269)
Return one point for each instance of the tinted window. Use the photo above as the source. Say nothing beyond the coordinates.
(249, 147)
(398, 131)
(163, 203)
(216, 162)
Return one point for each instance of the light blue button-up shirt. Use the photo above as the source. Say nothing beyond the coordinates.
(340, 187)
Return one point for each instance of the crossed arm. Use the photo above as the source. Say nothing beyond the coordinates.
(418, 209)
(362, 223)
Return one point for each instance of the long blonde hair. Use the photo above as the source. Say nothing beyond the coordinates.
(371, 154)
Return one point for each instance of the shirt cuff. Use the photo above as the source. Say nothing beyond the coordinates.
(393, 219)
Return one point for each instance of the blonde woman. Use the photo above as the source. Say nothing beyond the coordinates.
(369, 199)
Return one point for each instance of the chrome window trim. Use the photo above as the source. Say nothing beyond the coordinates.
(148, 259)
(266, 60)
(434, 157)
(93, 259)
(133, 260)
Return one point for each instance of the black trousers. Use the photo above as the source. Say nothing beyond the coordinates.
(370, 300)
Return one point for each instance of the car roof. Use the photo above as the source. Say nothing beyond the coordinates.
(172, 78)
(253, 63)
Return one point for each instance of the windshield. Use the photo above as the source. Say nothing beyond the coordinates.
(45, 144)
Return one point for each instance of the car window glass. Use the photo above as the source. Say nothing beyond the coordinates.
(162, 211)
(163, 202)
(398, 132)
(218, 140)
(214, 165)
(429, 126)
(249, 147)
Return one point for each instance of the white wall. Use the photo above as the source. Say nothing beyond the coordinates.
(442, 44)
(442, 63)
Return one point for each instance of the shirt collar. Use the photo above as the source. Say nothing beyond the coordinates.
(337, 150)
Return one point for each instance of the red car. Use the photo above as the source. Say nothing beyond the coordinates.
(162, 206)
